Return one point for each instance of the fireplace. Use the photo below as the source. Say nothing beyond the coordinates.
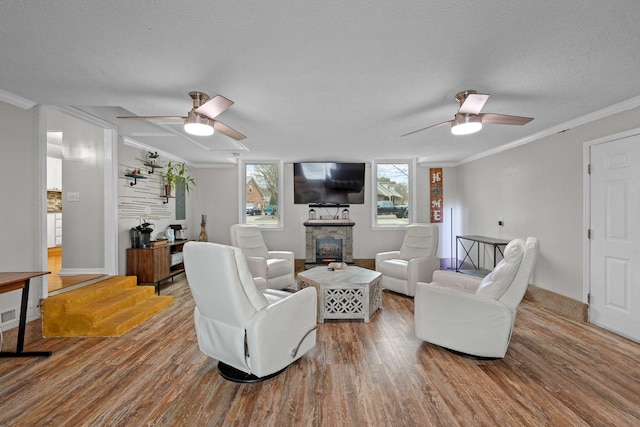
(328, 241)
(328, 249)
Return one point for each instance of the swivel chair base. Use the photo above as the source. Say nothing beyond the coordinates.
(232, 374)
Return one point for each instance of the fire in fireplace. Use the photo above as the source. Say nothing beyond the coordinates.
(328, 249)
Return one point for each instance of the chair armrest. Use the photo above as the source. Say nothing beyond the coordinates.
(453, 278)
(275, 331)
(382, 256)
(257, 266)
(281, 254)
(261, 283)
(462, 321)
(421, 269)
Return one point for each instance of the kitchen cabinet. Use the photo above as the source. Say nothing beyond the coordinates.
(54, 174)
(54, 229)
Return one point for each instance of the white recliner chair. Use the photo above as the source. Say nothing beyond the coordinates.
(277, 267)
(414, 262)
(472, 315)
(253, 335)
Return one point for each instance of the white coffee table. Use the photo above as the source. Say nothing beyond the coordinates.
(353, 293)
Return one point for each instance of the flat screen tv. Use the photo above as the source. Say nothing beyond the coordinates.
(328, 183)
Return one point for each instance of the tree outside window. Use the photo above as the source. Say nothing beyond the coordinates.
(393, 193)
(261, 195)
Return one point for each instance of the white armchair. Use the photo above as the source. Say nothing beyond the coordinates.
(254, 336)
(414, 262)
(472, 315)
(277, 267)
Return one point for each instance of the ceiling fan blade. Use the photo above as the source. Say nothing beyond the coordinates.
(473, 103)
(503, 119)
(428, 127)
(152, 117)
(226, 130)
(214, 106)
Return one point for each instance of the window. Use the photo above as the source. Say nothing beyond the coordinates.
(392, 193)
(261, 184)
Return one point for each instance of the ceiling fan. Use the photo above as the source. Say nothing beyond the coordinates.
(200, 120)
(468, 119)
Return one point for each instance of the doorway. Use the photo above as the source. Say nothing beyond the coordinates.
(614, 244)
(79, 162)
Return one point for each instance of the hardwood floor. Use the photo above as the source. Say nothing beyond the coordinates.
(56, 282)
(557, 372)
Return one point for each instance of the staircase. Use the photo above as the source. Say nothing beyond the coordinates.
(108, 308)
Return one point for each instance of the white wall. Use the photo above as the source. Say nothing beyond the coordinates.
(83, 173)
(21, 215)
(538, 189)
(218, 198)
(143, 201)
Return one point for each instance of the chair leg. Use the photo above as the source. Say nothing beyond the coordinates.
(232, 374)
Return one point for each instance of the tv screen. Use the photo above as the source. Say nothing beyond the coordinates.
(328, 183)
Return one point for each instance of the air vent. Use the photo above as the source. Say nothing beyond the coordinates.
(7, 315)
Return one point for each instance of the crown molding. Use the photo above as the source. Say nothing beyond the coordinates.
(16, 100)
(563, 127)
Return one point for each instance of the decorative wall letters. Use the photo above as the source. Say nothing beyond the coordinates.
(437, 203)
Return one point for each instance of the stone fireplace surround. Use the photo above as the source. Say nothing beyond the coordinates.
(332, 228)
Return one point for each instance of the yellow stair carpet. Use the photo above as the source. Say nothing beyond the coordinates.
(108, 308)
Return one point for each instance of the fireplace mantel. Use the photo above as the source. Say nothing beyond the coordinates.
(328, 228)
(329, 222)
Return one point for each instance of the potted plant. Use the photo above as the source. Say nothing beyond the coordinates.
(153, 157)
(177, 172)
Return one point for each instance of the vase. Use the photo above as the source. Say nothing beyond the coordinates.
(203, 233)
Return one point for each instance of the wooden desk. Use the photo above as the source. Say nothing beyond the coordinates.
(12, 282)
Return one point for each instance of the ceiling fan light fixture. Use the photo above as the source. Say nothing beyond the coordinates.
(466, 124)
(198, 125)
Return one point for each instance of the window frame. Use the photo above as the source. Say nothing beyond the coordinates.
(411, 182)
(242, 180)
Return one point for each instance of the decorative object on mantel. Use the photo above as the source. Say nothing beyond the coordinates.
(312, 214)
(345, 214)
(203, 232)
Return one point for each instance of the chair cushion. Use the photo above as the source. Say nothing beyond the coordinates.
(250, 240)
(419, 242)
(277, 267)
(396, 268)
(495, 284)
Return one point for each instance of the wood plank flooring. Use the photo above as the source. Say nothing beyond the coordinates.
(56, 282)
(557, 372)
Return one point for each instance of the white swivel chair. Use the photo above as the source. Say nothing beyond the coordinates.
(472, 315)
(254, 336)
(414, 262)
(277, 267)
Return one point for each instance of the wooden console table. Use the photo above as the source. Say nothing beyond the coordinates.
(478, 241)
(153, 265)
(12, 282)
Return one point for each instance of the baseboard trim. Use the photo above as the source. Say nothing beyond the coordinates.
(79, 271)
(557, 303)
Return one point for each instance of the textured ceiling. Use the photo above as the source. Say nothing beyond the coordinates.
(328, 80)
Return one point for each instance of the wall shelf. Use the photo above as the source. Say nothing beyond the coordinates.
(152, 166)
(135, 177)
(166, 198)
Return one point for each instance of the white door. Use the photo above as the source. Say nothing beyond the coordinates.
(615, 236)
